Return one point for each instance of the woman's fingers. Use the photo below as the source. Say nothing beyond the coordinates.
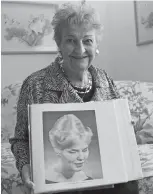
(29, 184)
(26, 177)
(26, 172)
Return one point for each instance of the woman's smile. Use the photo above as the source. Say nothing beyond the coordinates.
(78, 57)
(79, 165)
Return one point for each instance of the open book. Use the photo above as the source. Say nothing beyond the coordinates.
(82, 145)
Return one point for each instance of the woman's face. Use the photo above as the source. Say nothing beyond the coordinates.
(74, 158)
(78, 47)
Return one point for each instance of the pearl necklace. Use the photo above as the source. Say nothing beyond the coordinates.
(80, 89)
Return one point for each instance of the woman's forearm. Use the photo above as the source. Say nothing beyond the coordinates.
(20, 141)
(20, 149)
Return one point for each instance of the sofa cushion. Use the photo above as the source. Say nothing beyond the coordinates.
(140, 97)
(10, 179)
(9, 98)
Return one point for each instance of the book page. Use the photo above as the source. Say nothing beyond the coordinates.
(128, 140)
(102, 162)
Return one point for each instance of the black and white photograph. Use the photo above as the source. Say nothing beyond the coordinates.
(81, 146)
(71, 147)
(76, 97)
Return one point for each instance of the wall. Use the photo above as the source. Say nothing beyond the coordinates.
(15, 68)
(124, 59)
(119, 54)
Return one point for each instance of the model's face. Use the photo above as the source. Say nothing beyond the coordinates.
(74, 158)
(78, 47)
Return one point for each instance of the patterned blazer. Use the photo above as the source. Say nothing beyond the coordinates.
(49, 85)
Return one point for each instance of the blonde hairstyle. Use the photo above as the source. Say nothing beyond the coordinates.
(67, 130)
(70, 14)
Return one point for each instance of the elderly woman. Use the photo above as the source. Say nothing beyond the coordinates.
(70, 140)
(71, 78)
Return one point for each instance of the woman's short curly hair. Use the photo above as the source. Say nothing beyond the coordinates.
(66, 131)
(76, 14)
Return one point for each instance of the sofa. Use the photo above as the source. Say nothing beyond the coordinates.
(140, 96)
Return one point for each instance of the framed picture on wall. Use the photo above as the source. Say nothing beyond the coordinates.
(143, 22)
(82, 146)
(26, 27)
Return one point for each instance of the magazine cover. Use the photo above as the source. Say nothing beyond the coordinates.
(77, 147)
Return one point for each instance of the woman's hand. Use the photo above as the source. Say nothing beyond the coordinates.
(29, 185)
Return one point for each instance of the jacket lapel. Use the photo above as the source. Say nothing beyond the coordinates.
(100, 83)
(69, 95)
(56, 81)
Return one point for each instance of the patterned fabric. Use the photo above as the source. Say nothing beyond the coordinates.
(10, 180)
(140, 97)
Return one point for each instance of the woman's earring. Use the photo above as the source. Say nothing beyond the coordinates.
(60, 54)
(60, 57)
(97, 51)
